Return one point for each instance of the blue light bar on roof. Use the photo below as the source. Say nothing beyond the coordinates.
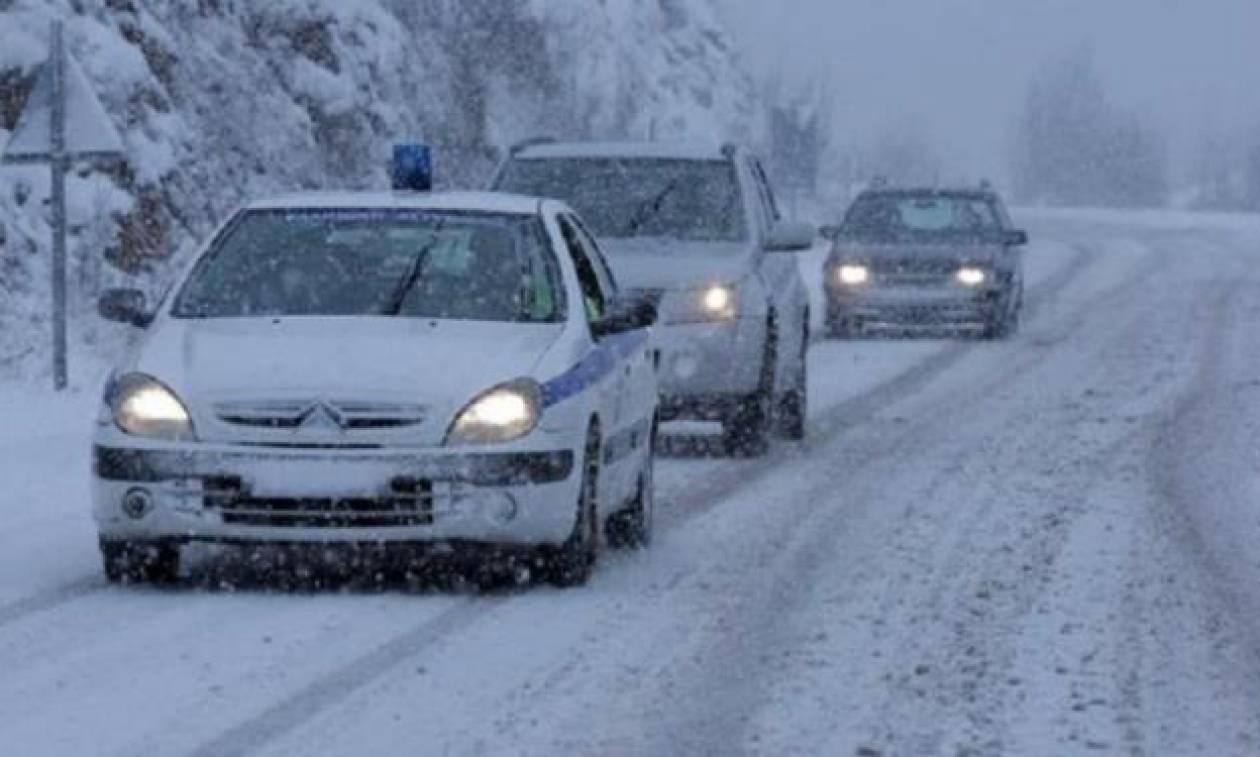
(412, 169)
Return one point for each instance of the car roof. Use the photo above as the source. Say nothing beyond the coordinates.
(659, 150)
(490, 202)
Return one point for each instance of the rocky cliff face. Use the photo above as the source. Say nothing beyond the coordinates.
(223, 100)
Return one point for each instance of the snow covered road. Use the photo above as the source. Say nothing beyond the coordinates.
(1043, 546)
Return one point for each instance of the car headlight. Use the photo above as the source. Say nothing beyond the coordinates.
(971, 276)
(853, 274)
(143, 406)
(718, 302)
(506, 412)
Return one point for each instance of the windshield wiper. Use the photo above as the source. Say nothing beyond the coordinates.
(413, 275)
(650, 208)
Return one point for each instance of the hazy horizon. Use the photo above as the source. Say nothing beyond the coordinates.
(957, 69)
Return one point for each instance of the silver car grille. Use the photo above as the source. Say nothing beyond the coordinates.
(916, 272)
(344, 415)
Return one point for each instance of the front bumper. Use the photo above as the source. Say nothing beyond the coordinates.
(705, 366)
(199, 492)
(913, 306)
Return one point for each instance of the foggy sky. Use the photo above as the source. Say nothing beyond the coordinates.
(959, 67)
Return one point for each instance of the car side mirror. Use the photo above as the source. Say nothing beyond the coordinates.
(1017, 238)
(626, 313)
(790, 236)
(124, 306)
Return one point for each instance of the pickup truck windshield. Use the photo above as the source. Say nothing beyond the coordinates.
(416, 264)
(695, 200)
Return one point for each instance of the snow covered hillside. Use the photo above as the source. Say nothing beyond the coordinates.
(221, 101)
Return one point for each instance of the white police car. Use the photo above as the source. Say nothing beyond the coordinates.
(443, 369)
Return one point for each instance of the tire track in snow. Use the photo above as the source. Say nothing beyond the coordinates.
(51, 599)
(859, 409)
(339, 684)
(738, 690)
(807, 538)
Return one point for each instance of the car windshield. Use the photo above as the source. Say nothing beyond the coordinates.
(467, 266)
(922, 215)
(696, 200)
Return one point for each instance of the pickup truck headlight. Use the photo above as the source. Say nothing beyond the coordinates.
(506, 412)
(718, 302)
(143, 406)
(971, 276)
(853, 274)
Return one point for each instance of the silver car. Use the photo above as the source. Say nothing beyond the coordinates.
(697, 227)
(925, 258)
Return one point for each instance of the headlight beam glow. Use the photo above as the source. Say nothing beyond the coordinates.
(853, 274)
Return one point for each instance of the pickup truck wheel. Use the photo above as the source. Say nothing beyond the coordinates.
(140, 562)
(572, 563)
(793, 404)
(746, 431)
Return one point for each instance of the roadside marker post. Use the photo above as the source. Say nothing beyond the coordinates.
(63, 122)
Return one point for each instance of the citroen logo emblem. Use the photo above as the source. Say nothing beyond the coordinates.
(321, 417)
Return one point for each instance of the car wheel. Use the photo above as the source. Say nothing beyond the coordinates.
(631, 528)
(746, 431)
(140, 562)
(1002, 325)
(793, 405)
(572, 563)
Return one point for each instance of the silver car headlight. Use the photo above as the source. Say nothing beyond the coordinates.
(143, 406)
(506, 412)
(971, 276)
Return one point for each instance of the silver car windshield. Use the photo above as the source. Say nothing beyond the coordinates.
(696, 200)
(464, 266)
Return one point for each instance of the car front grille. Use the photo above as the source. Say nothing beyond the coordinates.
(914, 278)
(409, 503)
(296, 414)
(916, 273)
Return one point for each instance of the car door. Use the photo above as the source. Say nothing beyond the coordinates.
(636, 354)
(598, 290)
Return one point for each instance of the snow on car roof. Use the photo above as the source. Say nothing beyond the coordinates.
(667, 150)
(491, 202)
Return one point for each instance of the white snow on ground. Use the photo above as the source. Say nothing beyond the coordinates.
(1042, 546)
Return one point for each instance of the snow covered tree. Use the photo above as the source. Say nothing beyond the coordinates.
(1252, 192)
(1075, 147)
(799, 131)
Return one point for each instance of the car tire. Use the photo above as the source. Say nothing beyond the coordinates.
(746, 430)
(794, 403)
(1004, 325)
(572, 563)
(140, 562)
(631, 528)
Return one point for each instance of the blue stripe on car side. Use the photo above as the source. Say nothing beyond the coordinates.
(597, 363)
